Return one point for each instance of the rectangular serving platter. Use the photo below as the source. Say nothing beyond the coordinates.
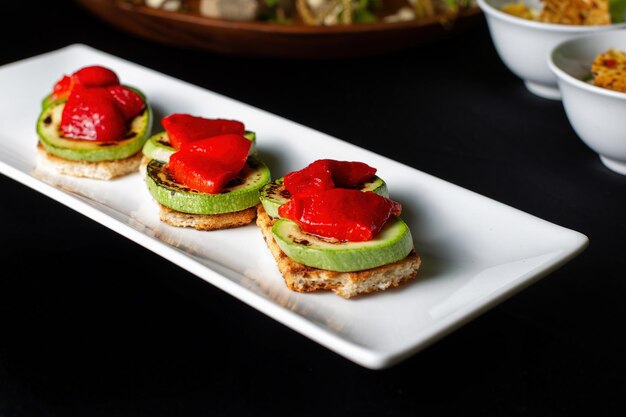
(476, 252)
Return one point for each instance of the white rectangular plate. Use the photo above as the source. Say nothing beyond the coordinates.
(475, 252)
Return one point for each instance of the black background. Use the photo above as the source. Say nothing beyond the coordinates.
(92, 324)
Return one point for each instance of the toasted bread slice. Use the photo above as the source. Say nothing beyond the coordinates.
(102, 170)
(302, 278)
(207, 221)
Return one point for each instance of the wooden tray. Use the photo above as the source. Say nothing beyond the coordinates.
(259, 39)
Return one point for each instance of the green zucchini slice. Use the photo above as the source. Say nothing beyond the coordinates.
(239, 194)
(393, 243)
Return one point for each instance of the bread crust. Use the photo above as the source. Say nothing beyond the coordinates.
(207, 221)
(302, 278)
(101, 170)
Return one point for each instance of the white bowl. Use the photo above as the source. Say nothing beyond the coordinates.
(524, 45)
(598, 115)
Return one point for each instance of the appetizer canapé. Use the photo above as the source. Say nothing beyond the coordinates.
(93, 126)
(203, 174)
(330, 226)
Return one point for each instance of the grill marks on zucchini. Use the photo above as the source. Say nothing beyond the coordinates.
(165, 178)
(240, 193)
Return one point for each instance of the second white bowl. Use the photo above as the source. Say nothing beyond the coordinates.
(524, 45)
(598, 115)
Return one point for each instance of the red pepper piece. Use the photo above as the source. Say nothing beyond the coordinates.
(185, 128)
(348, 174)
(62, 88)
(324, 174)
(207, 165)
(92, 76)
(341, 213)
(314, 178)
(610, 63)
(130, 103)
(95, 76)
(92, 114)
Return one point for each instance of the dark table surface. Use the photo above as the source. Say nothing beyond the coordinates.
(139, 336)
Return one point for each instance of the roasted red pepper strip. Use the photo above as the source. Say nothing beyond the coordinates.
(98, 108)
(207, 165)
(130, 103)
(314, 178)
(325, 174)
(93, 114)
(95, 76)
(349, 174)
(62, 88)
(185, 128)
(91, 76)
(340, 213)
